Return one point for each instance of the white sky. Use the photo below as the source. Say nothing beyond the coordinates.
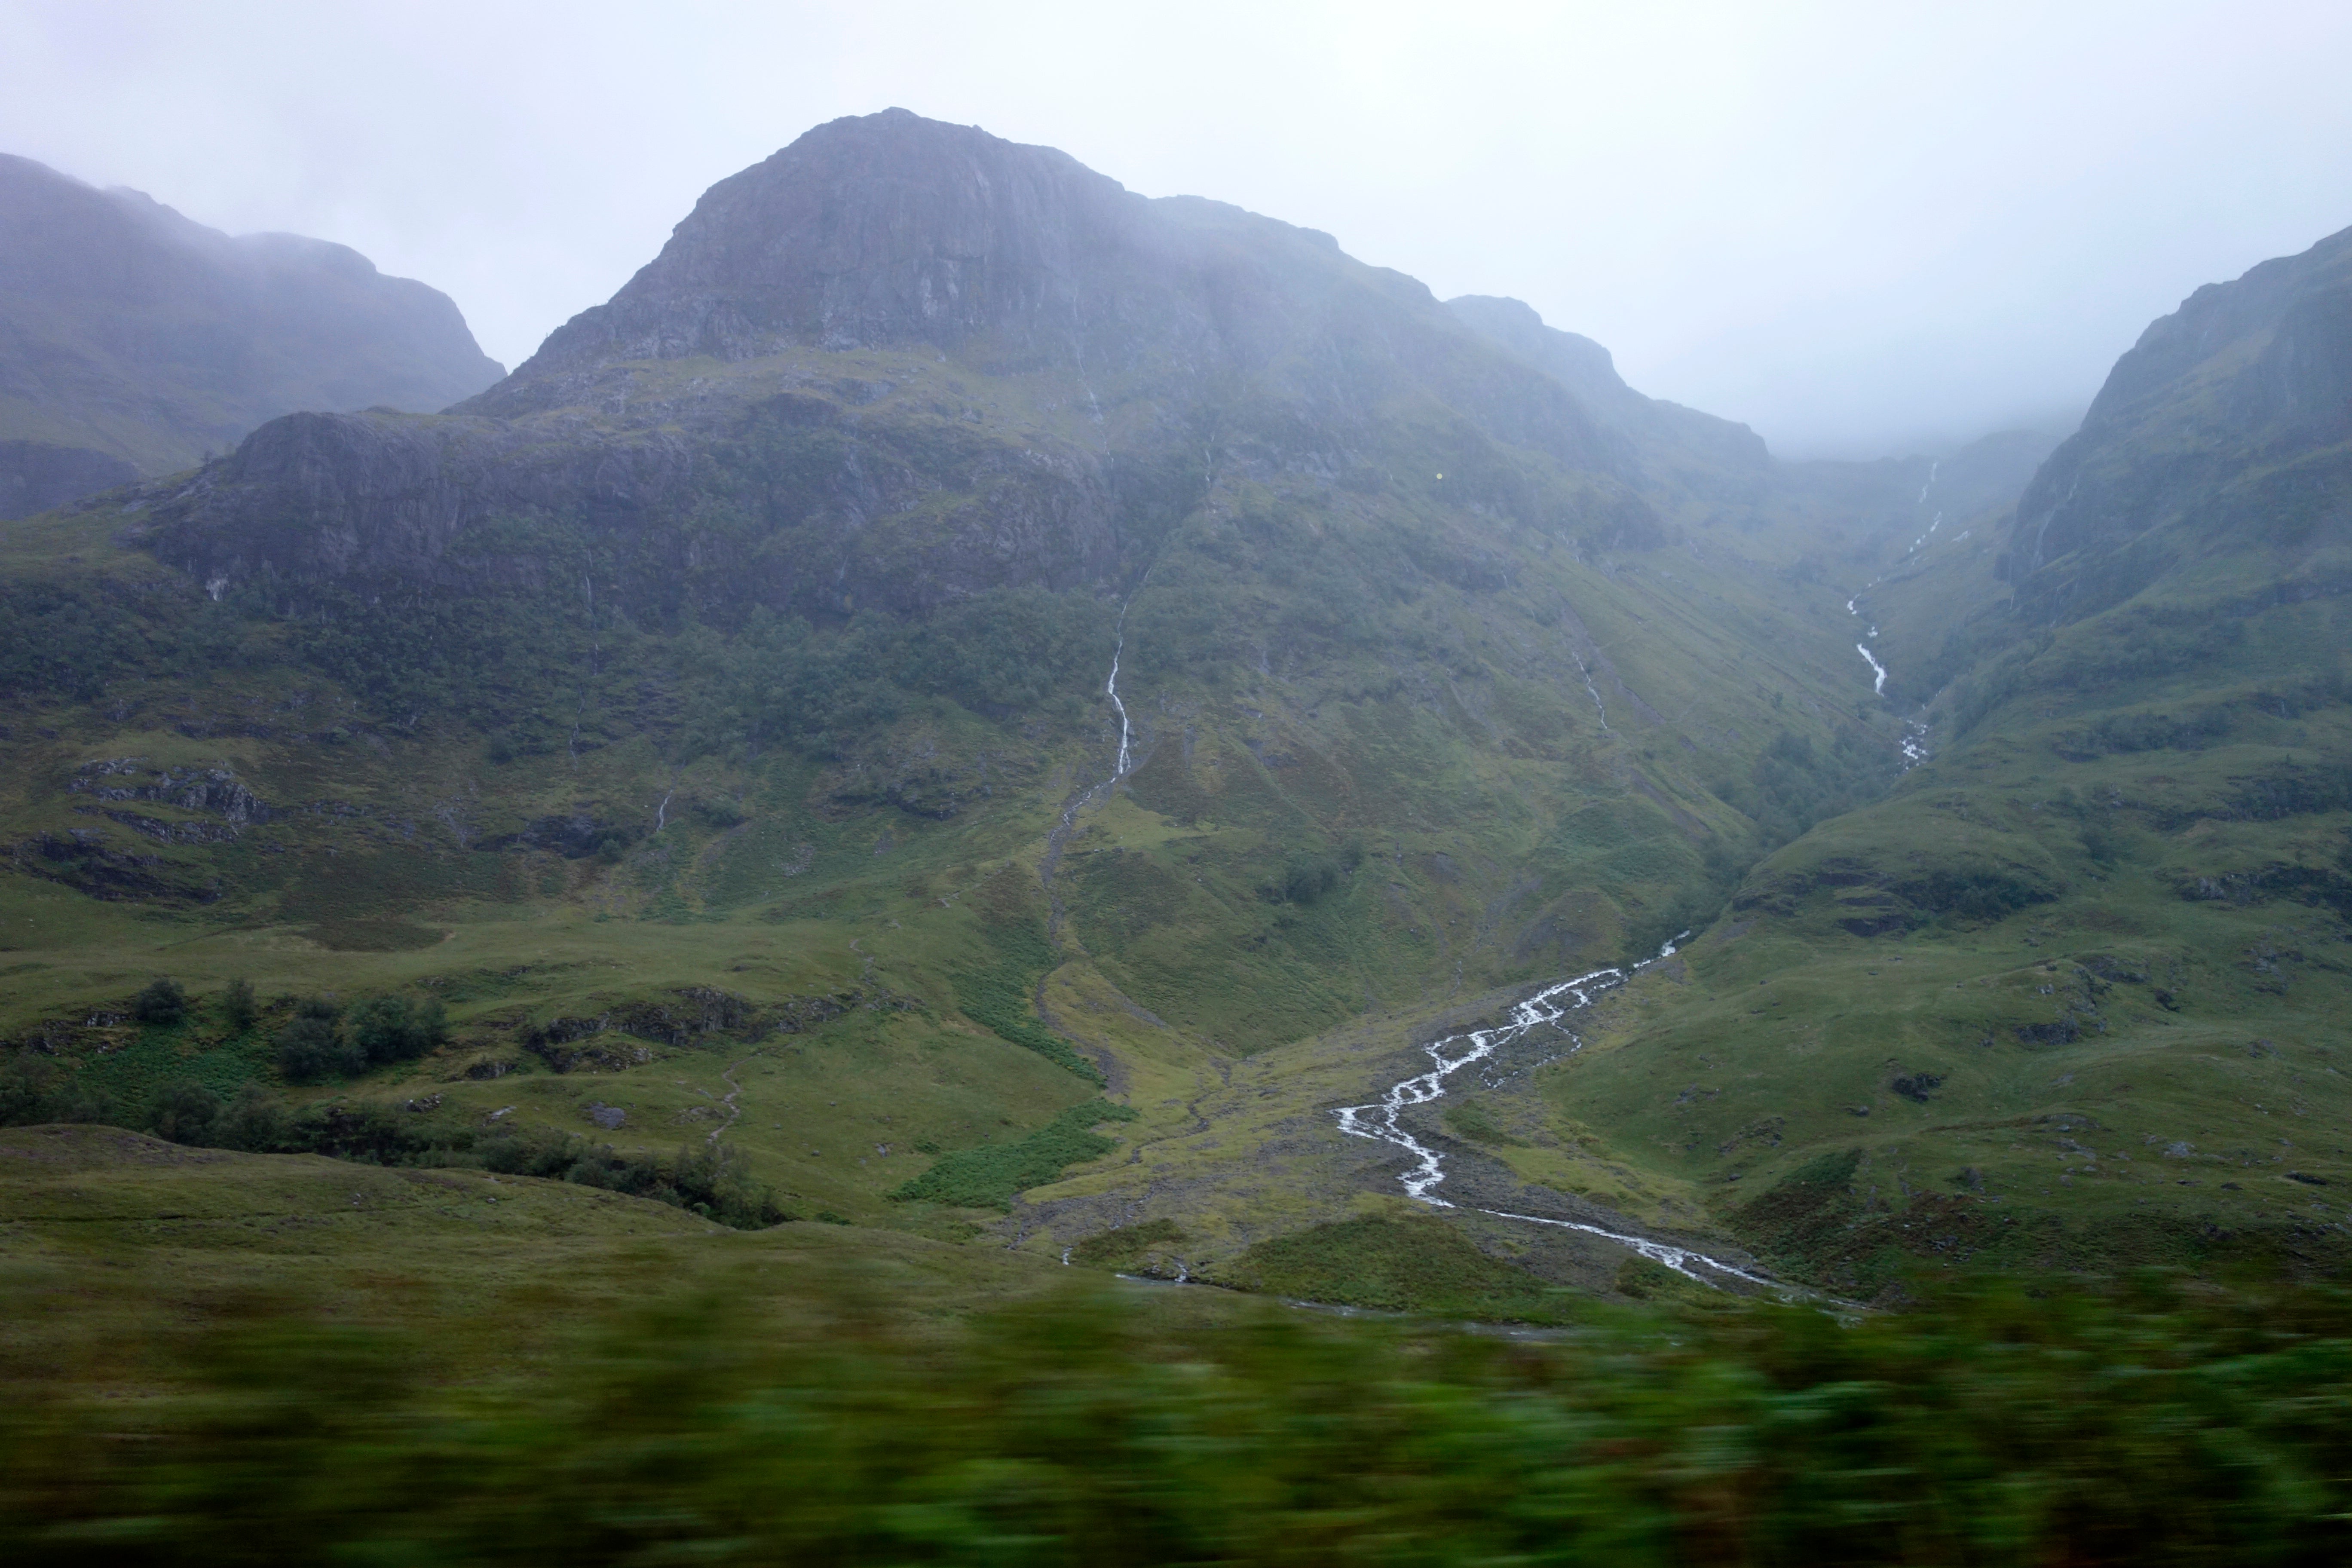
(1858, 227)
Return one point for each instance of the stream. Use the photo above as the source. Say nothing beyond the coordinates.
(1110, 690)
(1915, 732)
(1379, 1122)
(1547, 1007)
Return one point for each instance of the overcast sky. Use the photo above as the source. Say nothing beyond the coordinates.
(1858, 227)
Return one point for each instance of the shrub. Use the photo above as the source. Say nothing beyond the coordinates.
(184, 1112)
(311, 1048)
(33, 1090)
(395, 1029)
(237, 1008)
(161, 1002)
(252, 1120)
(1309, 875)
(990, 1175)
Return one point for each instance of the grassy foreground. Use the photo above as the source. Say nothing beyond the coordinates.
(219, 1357)
(728, 1420)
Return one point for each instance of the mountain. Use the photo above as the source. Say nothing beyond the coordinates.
(1048, 692)
(133, 341)
(802, 353)
(2069, 995)
(2227, 428)
(1715, 458)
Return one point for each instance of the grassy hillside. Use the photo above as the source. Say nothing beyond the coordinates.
(214, 1357)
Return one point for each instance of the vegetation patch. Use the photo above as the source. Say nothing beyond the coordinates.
(363, 935)
(991, 1175)
(996, 996)
(1404, 1263)
(1128, 1245)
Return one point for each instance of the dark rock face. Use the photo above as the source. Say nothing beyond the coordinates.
(890, 231)
(1067, 362)
(35, 476)
(128, 331)
(2228, 423)
(879, 231)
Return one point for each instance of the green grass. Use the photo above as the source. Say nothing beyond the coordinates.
(990, 1175)
(216, 1356)
(1398, 1262)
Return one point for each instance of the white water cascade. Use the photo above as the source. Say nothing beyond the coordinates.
(1110, 690)
(1915, 732)
(1878, 670)
(1379, 1122)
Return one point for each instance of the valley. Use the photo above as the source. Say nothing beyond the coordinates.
(1196, 759)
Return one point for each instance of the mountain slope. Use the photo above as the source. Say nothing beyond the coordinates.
(2071, 995)
(951, 639)
(130, 332)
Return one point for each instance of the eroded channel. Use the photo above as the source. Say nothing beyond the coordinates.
(1547, 1008)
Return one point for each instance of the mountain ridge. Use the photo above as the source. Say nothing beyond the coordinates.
(132, 333)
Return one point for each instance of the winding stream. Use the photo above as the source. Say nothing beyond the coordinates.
(1378, 1120)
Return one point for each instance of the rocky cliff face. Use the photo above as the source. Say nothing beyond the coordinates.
(893, 232)
(2225, 426)
(884, 232)
(128, 331)
(901, 363)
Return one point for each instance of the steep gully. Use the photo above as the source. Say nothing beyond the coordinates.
(1088, 794)
(1914, 733)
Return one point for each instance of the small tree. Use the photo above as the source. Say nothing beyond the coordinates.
(395, 1029)
(252, 1120)
(33, 1090)
(313, 1047)
(184, 1111)
(161, 1001)
(238, 1009)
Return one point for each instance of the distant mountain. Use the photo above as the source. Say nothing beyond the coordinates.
(931, 362)
(2118, 891)
(1672, 443)
(133, 341)
(2226, 427)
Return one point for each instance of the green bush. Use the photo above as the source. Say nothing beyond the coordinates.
(312, 1047)
(239, 1012)
(33, 1090)
(990, 1175)
(161, 1002)
(395, 1029)
(184, 1111)
(1310, 874)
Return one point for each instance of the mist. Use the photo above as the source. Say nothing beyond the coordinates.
(1861, 232)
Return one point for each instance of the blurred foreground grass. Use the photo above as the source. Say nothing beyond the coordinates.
(829, 1394)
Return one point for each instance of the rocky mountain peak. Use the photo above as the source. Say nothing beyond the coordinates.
(873, 231)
